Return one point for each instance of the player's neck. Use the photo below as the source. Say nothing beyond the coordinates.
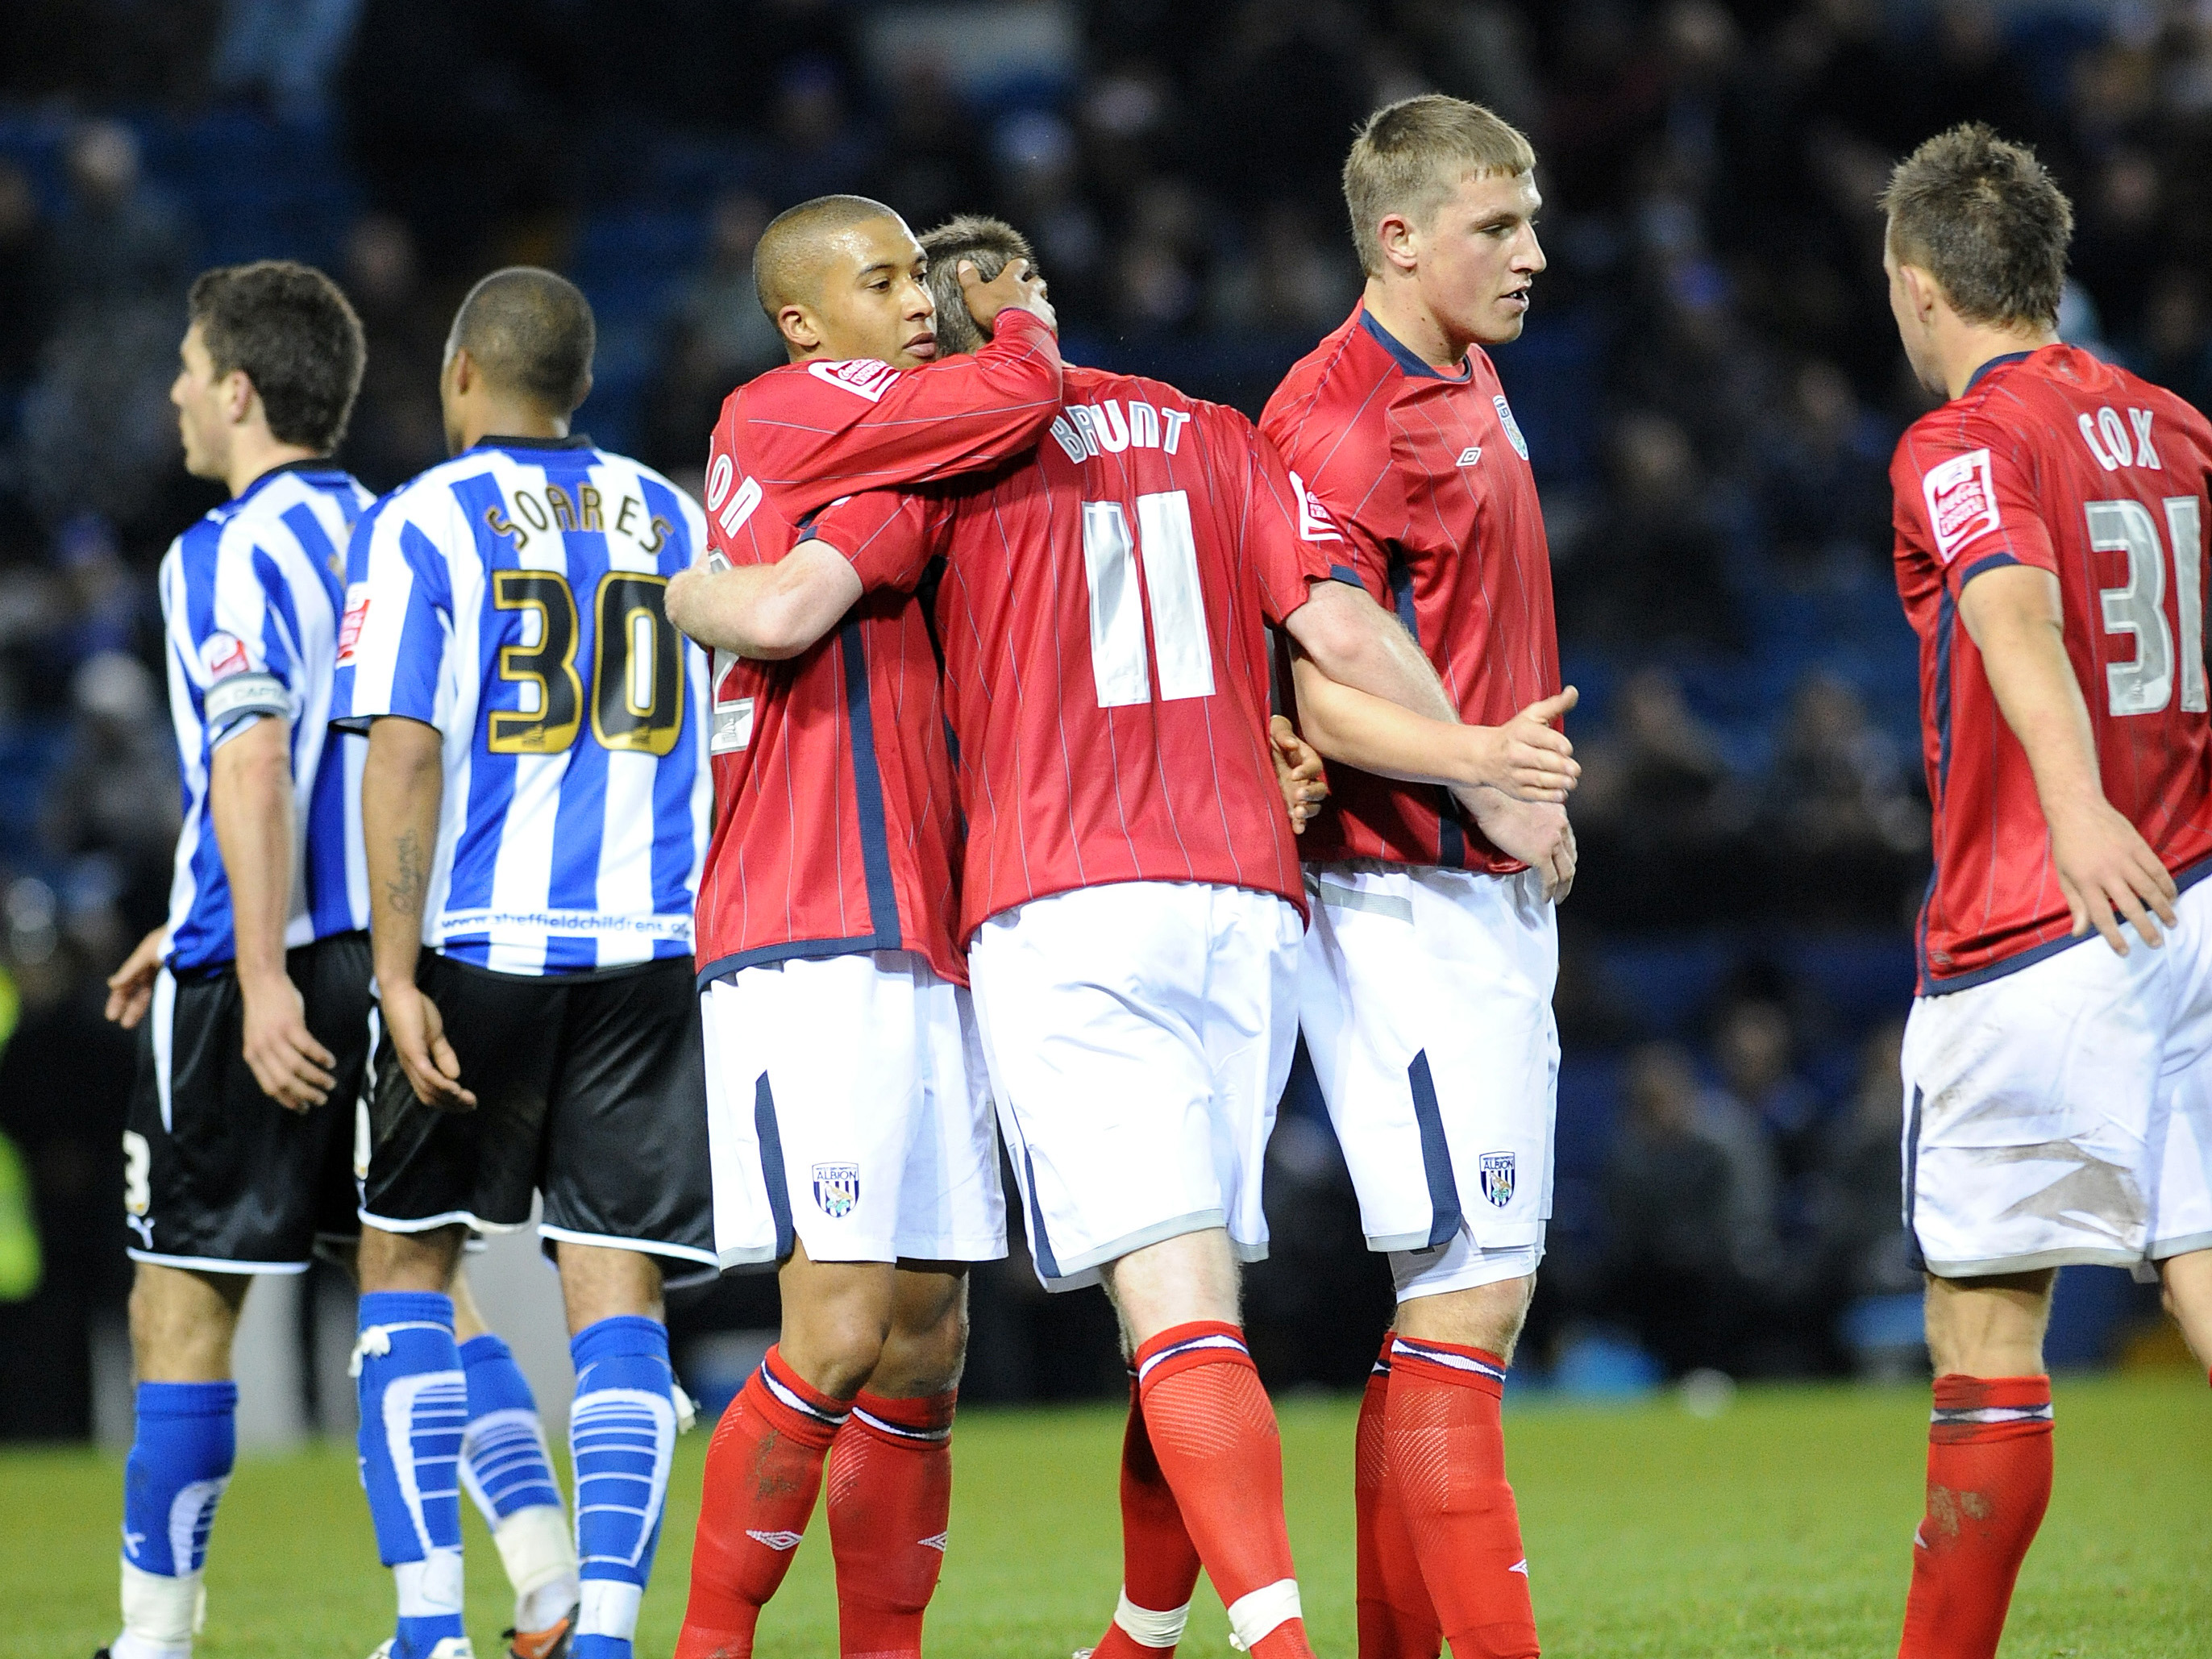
(1967, 351)
(1399, 309)
(254, 453)
(509, 418)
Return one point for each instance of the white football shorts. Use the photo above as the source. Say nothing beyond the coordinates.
(1425, 996)
(2062, 1113)
(845, 1107)
(1138, 1036)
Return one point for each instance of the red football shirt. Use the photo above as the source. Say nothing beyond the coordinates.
(1428, 474)
(1103, 611)
(2055, 459)
(836, 821)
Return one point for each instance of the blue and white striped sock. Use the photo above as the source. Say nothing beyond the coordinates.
(414, 1408)
(509, 1474)
(622, 1435)
(180, 1462)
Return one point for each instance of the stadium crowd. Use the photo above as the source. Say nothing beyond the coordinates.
(1710, 383)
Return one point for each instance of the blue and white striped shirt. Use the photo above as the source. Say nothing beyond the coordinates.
(250, 600)
(512, 599)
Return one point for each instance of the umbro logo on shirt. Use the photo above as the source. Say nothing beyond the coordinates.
(1470, 455)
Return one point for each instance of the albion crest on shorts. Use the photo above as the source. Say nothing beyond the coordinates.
(1497, 1178)
(837, 1189)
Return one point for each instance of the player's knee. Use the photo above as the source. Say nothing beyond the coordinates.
(925, 1356)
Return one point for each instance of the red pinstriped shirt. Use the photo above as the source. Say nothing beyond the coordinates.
(837, 823)
(2055, 459)
(1101, 611)
(1427, 475)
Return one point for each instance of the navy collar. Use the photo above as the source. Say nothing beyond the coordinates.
(311, 464)
(1408, 359)
(574, 440)
(1995, 362)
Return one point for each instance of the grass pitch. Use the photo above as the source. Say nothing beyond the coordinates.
(1781, 1527)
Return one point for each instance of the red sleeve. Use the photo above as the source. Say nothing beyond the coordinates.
(1352, 491)
(888, 536)
(812, 432)
(1289, 536)
(1967, 501)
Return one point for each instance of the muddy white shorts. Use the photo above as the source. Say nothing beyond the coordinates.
(1138, 1036)
(845, 1107)
(1425, 995)
(2062, 1113)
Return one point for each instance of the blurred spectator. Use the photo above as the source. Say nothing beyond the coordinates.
(1754, 1047)
(23, 293)
(2174, 349)
(1654, 777)
(1859, 1181)
(1824, 484)
(816, 149)
(1688, 1238)
(285, 51)
(931, 162)
(1293, 279)
(116, 798)
(1839, 784)
(718, 337)
(119, 239)
(397, 430)
(64, 1085)
(1651, 569)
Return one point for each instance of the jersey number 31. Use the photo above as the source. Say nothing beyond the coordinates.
(2137, 606)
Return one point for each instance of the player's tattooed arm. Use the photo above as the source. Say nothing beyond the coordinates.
(2016, 618)
(402, 790)
(765, 611)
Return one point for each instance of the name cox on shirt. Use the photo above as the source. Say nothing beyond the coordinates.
(2115, 451)
(556, 511)
(1087, 430)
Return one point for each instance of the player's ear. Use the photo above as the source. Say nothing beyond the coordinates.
(238, 396)
(1396, 235)
(799, 329)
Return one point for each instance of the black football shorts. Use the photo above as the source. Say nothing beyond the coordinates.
(217, 1177)
(591, 1089)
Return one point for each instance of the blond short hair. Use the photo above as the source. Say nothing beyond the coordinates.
(1413, 154)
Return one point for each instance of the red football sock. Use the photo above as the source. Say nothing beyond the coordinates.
(1447, 1452)
(1989, 1482)
(763, 1471)
(1215, 1434)
(1397, 1619)
(891, 1505)
(1159, 1564)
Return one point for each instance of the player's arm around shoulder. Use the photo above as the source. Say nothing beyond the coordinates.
(2016, 615)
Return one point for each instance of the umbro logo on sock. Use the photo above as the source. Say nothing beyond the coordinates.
(1470, 455)
(939, 1542)
(1520, 1566)
(776, 1540)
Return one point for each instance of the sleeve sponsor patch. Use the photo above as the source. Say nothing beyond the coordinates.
(224, 655)
(356, 613)
(1314, 523)
(1512, 427)
(864, 377)
(1962, 502)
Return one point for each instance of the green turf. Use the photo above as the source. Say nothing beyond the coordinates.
(1780, 1527)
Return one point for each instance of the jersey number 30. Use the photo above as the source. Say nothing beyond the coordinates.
(2137, 606)
(637, 674)
(1169, 552)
